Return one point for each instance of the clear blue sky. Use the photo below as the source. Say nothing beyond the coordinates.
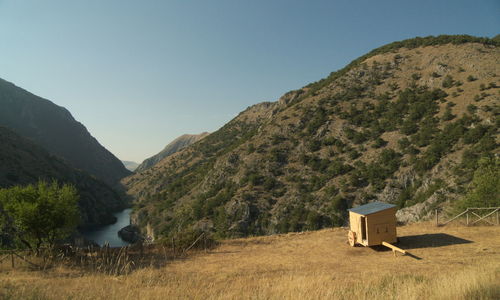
(138, 74)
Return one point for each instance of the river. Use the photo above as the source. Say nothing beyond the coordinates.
(109, 233)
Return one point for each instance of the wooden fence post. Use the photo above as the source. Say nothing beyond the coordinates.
(12, 258)
(437, 218)
(467, 217)
(173, 246)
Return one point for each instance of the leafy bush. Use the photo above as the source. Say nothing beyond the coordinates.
(447, 116)
(485, 186)
(379, 143)
(471, 78)
(471, 108)
(448, 81)
(38, 215)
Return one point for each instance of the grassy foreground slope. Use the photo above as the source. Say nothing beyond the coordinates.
(455, 263)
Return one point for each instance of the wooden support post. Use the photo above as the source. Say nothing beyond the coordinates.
(394, 248)
(467, 217)
(12, 258)
(437, 218)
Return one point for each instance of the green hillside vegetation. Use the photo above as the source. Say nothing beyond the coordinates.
(402, 124)
(22, 162)
(37, 215)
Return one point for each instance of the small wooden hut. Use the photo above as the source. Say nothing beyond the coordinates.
(372, 223)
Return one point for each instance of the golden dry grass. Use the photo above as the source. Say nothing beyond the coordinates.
(312, 265)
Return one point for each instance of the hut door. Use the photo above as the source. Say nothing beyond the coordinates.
(363, 228)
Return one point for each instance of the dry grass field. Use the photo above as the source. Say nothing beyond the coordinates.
(447, 263)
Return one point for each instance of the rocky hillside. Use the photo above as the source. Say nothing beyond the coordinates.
(176, 145)
(23, 162)
(53, 128)
(405, 123)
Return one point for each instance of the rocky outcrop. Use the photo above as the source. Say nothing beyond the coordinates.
(130, 233)
(419, 211)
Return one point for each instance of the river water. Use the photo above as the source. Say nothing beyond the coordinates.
(109, 233)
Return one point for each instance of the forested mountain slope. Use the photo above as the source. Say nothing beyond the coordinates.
(405, 124)
(54, 128)
(23, 162)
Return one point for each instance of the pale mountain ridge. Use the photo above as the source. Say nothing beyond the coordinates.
(130, 165)
(176, 145)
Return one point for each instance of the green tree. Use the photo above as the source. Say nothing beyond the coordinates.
(37, 215)
(485, 186)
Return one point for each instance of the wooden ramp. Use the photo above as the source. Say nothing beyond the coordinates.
(394, 248)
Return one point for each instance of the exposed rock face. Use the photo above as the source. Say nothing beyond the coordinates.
(419, 211)
(176, 145)
(23, 162)
(53, 128)
(402, 124)
(130, 233)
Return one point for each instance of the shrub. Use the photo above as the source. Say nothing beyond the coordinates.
(471, 108)
(379, 143)
(416, 76)
(447, 116)
(40, 214)
(447, 81)
(404, 143)
(314, 145)
(485, 186)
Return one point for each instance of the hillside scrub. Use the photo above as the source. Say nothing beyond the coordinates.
(400, 125)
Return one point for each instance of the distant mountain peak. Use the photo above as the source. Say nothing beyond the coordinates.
(176, 145)
(130, 165)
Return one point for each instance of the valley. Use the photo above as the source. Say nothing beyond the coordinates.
(258, 208)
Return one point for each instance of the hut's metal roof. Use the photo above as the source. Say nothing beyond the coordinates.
(371, 208)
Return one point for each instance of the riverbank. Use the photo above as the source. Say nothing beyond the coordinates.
(109, 233)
